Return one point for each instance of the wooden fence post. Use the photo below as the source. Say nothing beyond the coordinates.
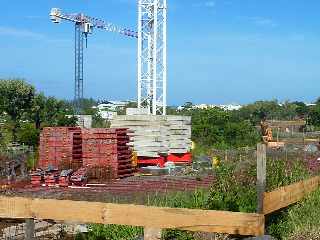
(261, 174)
(152, 233)
(29, 230)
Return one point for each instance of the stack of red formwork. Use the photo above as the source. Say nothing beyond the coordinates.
(51, 178)
(36, 179)
(80, 177)
(64, 178)
(61, 148)
(124, 153)
(106, 153)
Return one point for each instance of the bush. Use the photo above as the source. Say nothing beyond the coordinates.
(219, 128)
(28, 135)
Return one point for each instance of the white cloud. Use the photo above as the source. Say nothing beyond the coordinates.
(17, 32)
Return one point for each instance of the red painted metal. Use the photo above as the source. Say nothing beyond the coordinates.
(159, 161)
(60, 147)
(106, 153)
(180, 158)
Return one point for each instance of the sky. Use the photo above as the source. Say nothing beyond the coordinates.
(219, 51)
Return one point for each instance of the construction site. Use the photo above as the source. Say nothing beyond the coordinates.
(154, 172)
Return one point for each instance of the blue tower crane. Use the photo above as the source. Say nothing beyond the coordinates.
(83, 27)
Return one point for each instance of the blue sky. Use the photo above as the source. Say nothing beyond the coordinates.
(219, 51)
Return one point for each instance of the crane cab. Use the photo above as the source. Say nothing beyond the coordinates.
(87, 28)
(54, 15)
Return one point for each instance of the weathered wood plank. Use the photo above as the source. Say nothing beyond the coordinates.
(261, 174)
(133, 215)
(288, 195)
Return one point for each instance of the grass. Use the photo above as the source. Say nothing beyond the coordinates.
(300, 221)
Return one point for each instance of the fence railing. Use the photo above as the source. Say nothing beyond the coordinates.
(285, 196)
(133, 215)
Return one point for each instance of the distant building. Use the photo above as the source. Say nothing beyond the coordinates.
(227, 107)
(108, 109)
(112, 105)
(310, 104)
(230, 107)
(108, 115)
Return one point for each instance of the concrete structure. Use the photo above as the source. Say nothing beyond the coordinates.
(84, 121)
(137, 111)
(154, 136)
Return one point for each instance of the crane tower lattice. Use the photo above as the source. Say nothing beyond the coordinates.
(152, 55)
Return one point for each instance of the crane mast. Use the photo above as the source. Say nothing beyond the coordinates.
(152, 56)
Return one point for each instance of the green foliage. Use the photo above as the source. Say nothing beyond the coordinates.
(300, 221)
(28, 134)
(219, 128)
(111, 232)
(314, 116)
(193, 200)
(302, 109)
(55, 112)
(15, 99)
(281, 173)
(177, 235)
(234, 188)
(272, 110)
(88, 109)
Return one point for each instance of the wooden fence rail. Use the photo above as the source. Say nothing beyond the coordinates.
(133, 215)
(288, 195)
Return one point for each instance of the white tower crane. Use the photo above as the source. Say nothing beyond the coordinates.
(152, 55)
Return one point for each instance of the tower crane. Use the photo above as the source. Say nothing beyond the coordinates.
(152, 55)
(83, 27)
(152, 51)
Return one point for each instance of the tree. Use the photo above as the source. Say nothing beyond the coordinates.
(217, 127)
(314, 116)
(28, 134)
(38, 112)
(302, 109)
(15, 99)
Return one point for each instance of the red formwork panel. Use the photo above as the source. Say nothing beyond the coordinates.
(158, 161)
(180, 158)
(60, 147)
(106, 153)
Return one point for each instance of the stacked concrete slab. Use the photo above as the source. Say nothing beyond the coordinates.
(153, 136)
(179, 140)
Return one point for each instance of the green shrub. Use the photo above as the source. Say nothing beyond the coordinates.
(27, 134)
(111, 232)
